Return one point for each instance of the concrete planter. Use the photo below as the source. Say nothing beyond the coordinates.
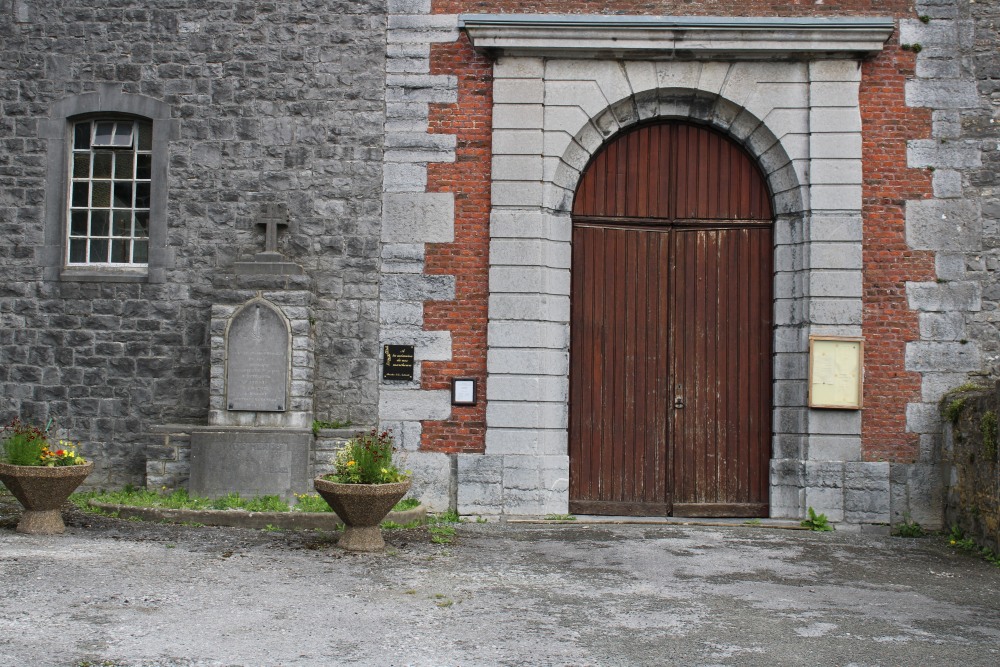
(362, 508)
(42, 490)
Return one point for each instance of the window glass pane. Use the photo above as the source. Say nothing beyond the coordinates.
(103, 131)
(123, 165)
(99, 223)
(119, 251)
(78, 250)
(123, 134)
(145, 136)
(143, 166)
(81, 194)
(81, 165)
(81, 136)
(140, 252)
(141, 224)
(123, 194)
(78, 223)
(122, 223)
(102, 194)
(142, 195)
(98, 250)
(102, 164)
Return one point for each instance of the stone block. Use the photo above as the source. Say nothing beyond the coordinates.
(528, 224)
(251, 463)
(866, 493)
(935, 385)
(527, 362)
(834, 70)
(517, 193)
(517, 116)
(942, 93)
(641, 75)
(527, 388)
(535, 307)
(836, 119)
(428, 345)
(518, 142)
(518, 91)
(947, 326)
(834, 448)
(418, 217)
(480, 484)
(958, 296)
(432, 479)
(836, 284)
(835, 228)
(950, 225)
(942, 154)
(413, 404)
(835, 255)
(518, 68)
(917, 494)
(835, 146)
(529, 280)
(517, 168)
(526, 442)
(519, 333)
(835, 422)
(835, 311)
(947, 184)
(417, 287)
(926, 356)
(835, 171)
(835, 197)
(526, 414)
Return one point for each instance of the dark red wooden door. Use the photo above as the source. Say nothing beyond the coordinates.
(670, 399)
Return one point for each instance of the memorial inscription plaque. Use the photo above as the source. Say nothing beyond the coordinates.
(257, 360)
(397, 362)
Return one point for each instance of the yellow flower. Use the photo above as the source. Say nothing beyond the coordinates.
(350, 463)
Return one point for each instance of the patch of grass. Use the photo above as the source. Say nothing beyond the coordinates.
(451, 516)
(270, 528)
(752, 522)
(319, 424)
(310, 502)
(958, 540)
(954, 410)
(908, 529)
(406, 504)
(817, 522)
(441, 533)
(560, 517)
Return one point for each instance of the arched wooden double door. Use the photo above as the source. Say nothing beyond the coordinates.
(670, 356)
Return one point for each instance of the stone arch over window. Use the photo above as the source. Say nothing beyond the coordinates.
(70, 241)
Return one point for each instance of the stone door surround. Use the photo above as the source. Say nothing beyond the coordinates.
(787, 90)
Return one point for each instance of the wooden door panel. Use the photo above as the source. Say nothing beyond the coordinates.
(618, 374)
(671, 299)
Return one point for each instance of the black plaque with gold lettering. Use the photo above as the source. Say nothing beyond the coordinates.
(397, 362)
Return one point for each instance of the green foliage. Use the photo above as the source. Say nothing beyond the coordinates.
(24, 444)
(924, 18)
(560, 517)
(451, 516)
(367, 459)
(310, 502)
(954, 410)
(319, 424)
(988, 427)
(916, 48)
(958, 540)
(817, 522)
(441, 534)
(908, 529)
(406, 504)
(753, 522)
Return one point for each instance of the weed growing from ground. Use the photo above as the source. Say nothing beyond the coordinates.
(908, 529)
(817, 522)
(958, 540)
(560, 517)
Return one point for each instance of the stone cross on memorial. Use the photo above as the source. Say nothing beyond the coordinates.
(272, 216)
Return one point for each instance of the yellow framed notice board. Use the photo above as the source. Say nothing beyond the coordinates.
(835, 372)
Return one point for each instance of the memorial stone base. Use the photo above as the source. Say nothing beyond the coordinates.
(251, 462)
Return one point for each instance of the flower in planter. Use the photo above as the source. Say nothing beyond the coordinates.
(367, 458)
(27, 445)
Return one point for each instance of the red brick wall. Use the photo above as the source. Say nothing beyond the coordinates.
(888, 322)
(468, 257)
(888, 124)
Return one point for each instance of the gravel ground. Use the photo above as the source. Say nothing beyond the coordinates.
(121, 593)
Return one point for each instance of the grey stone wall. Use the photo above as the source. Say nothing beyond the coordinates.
(274, 102)
(958, 79)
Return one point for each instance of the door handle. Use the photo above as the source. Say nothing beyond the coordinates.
(679, 402)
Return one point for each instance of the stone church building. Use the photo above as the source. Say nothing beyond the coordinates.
(638, 258)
